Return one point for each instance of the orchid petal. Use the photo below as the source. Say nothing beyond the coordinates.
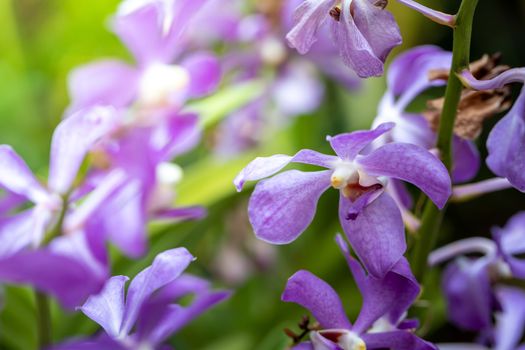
(412, 164)
(314, 294)
(72, 140)
(262, 167)
(376, 235)
(166, 267)
(107, 82)
(16, 176)
(107, 307)
(347, 146)
(308, 17)
(511, 321)
(69, 280)
(396, 340)
(282, 207)
(205, 73)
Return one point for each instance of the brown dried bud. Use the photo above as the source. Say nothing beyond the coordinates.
(474, 106)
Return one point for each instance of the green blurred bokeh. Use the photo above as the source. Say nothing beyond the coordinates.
(41, 41)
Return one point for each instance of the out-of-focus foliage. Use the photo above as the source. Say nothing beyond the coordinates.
(41, 41)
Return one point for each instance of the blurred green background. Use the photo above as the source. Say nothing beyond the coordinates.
(42, 40)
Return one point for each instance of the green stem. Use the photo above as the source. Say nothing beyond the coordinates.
(432, 216)
(43, 319)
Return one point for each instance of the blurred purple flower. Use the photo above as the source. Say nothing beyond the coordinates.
(143, 154)
(510, 323)
(72, 140)
(282, 207)
(151, 29)
(380, 323)
(407, 77)
(468, 282)
(364, 32)
(507, 139)
(147, 314)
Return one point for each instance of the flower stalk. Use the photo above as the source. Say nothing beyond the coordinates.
(43, 319)
(432, 216)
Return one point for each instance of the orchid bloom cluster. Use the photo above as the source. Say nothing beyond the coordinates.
(113, 172)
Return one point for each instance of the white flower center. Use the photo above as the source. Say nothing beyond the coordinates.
(161, 83)
(273, 51)
(351, 341)
(346, 339)
(167, 175)
(352, 180)
(381, 325)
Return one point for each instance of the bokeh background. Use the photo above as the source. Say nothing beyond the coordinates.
(41, 41)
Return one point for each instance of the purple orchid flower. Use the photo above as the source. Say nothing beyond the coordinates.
(145, 316)
(151, 30)
(282, 207)
(510, 323)
(407, 78)
(364, 32)
(468, 282)
(66, 269)
(506, 140)
(143, 154)
(380, 323)
(72, 140)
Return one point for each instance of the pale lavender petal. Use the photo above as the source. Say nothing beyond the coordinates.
(376, 235)
(511, 322)
(166, 267)
(126, 226)
(466, 160)
(262, 167)
(511, 243)
(377, 25)
(100, 343)
(396, 340)
(408, 73)
(314, 294)
(505, 144)
(178, 135)
(347, 146)
(308, 17)
(467, 290)
(107, 307)
(303, 346)
(69, 280)
(16, 176)
(108, 82)
(412, 164)
(461, 347)
(73, 139)
(16, 233)
(282, 207)
(205, 73)
(436, 16)
(388, 297)
(516, 75)
(151, 29)
(10, 201)
(365, 36)
(181, 213)
(298, 89)
(507, 137)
